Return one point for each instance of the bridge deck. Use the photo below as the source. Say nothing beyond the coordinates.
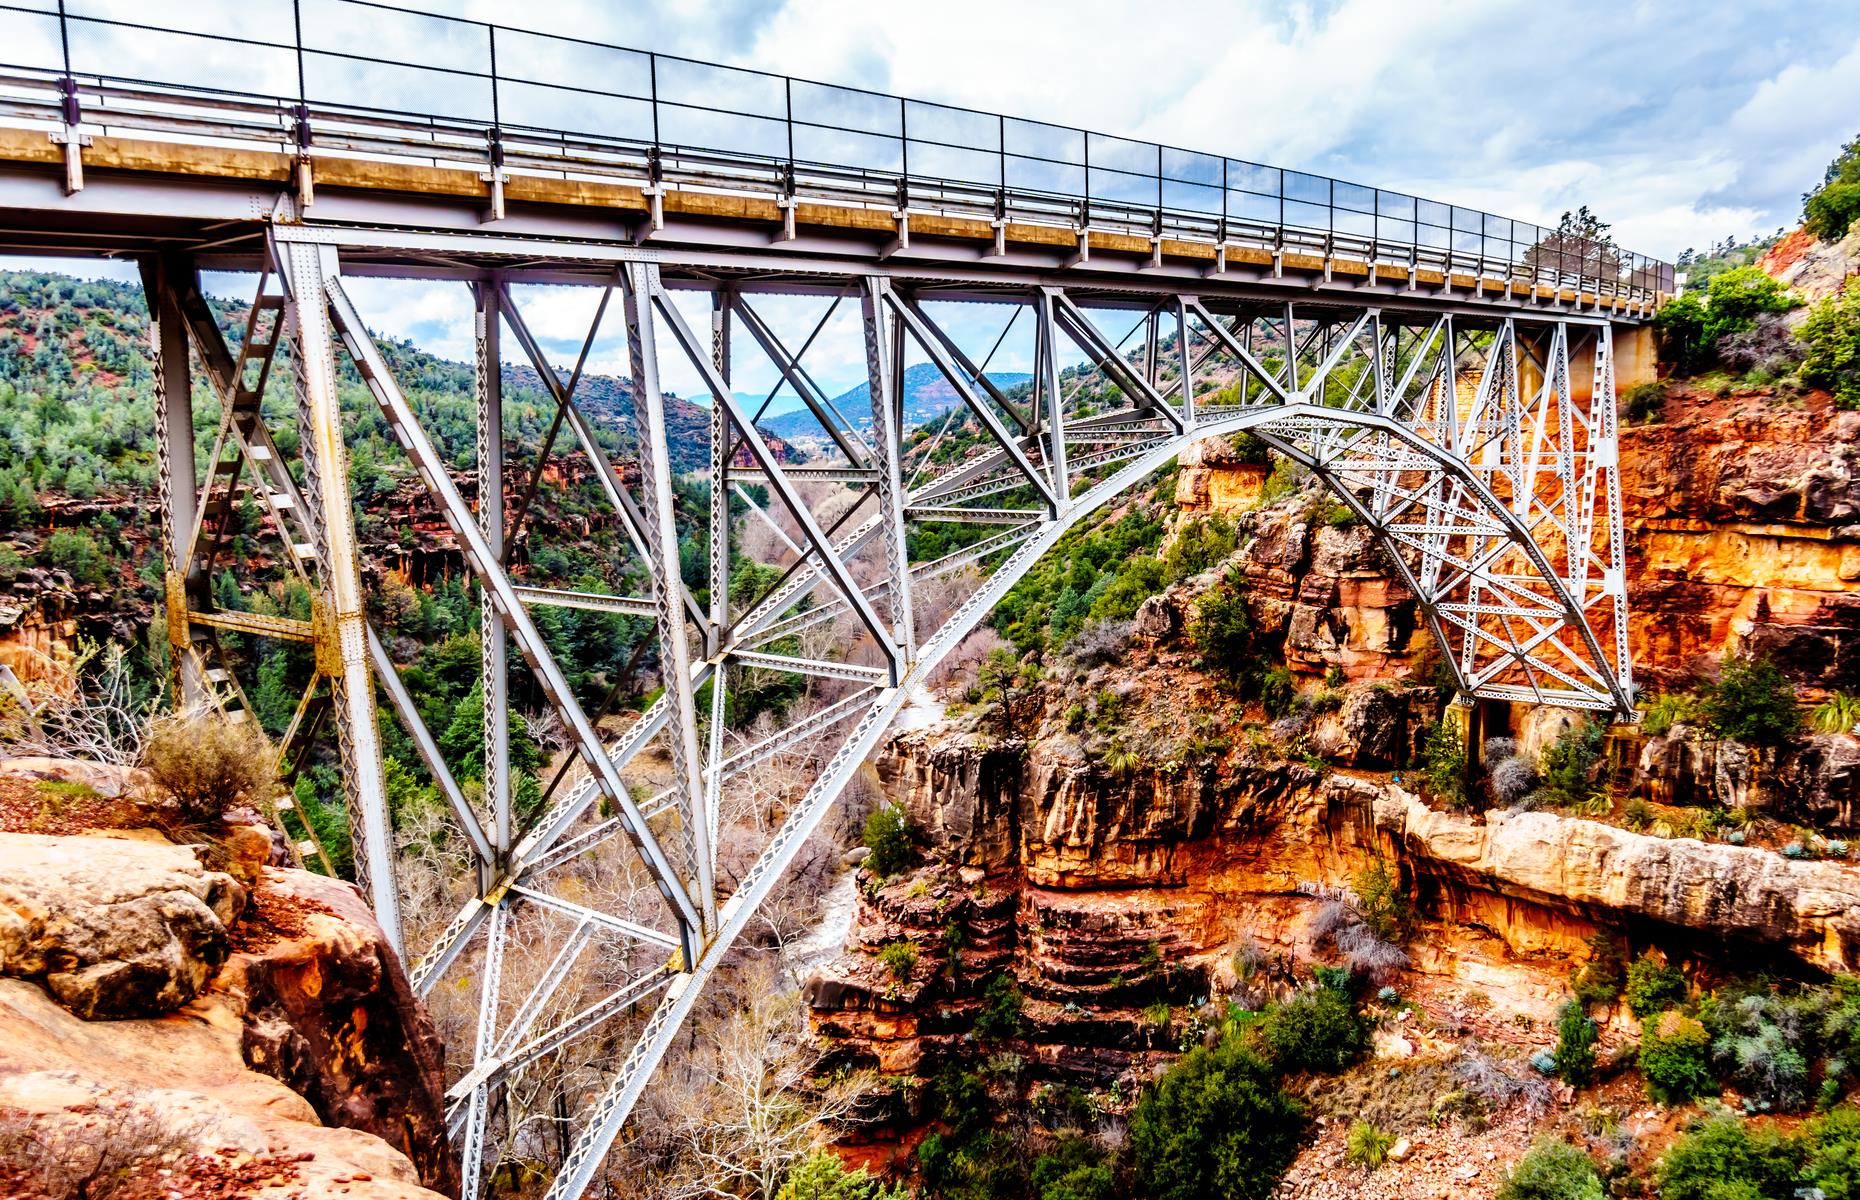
(97, 162)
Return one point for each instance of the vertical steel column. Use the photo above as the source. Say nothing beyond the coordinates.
(178, 484)
(639, 281)
(1046, 355)
(721, 451)
(1605, 455)
(1187, 360)
(496, 666)
(880, 379)
(308, 270)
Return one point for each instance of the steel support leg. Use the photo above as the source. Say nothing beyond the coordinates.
(888, 435)
(174, 446)
(495, 682)
(326, 460)
(662, 533)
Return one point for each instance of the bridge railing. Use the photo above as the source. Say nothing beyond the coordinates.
(447, 89)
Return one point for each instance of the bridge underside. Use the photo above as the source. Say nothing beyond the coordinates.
(1469, 422)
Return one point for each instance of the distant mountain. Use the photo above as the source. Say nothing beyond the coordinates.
(927, 395)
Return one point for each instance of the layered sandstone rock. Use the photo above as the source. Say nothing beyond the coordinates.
(1744, 535)
(328, 1011)
(180, 1082)
(267, 1030)
(1125, 892)
(114, 927)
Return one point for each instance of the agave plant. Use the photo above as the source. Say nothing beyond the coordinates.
(1839, 713)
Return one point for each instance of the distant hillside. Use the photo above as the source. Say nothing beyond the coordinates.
(76, 398)
(927, 395)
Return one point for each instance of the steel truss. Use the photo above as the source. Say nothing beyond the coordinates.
(1480, 450)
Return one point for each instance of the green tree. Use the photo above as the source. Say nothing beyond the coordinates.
(1653, 986)
(1575, 1045)
(77, 554)
(1832, 334)
(1690, 328)
(1217, 1126)
(1829, 210)
(1752, 701)
(1004, 682)
(1222, 632)
(1553, 1170)
(890, 839)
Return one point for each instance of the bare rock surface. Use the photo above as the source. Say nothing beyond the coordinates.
(179, 1080)
(328, 1011)
(1809, 908)
(114, 927)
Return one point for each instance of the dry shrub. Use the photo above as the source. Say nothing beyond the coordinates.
(207, 764)
(99, 1151)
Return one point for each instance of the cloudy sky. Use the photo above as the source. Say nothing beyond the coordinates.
(1679, 122)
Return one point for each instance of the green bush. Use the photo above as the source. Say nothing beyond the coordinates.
(1367, 1146)
(1444, 763)
(899, 958)
(1222, 632)
(1689, 329)
(1564, 765)
(1653, 986)
(1644, 402)
(1217, 1126)
(1278, 693)
(77, 554)
(822, 1176)
(1553, 1170)
(1315, 1030)
(1763, 1039)
(1832, 1145)
(1832, 334)
(1722, 1152)
(1830, 209)
(1601, 978)
(890, 838)
(1752, 701)
(1001, 1007)
(1575, 1045)
(1674, 1060)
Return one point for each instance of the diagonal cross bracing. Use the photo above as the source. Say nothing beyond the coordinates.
(1481, 457)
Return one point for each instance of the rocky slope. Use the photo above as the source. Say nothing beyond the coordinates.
(246, 1026)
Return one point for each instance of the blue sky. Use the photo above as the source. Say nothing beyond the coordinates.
(1680, 123)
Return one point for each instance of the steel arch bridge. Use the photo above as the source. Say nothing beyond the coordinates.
(1457, 397)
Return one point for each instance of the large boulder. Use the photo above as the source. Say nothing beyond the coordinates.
(114, 927)
(330, 1012)
(168, 1099)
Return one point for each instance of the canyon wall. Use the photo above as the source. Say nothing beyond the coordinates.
(246, 1020)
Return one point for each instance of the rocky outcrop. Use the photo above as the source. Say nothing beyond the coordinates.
(328, 1011)
(1744, 535)
(1711, 893)
(265, 1027)
(1812, 268)
(179, 1084)
(114, 928)
(1812, 781)
(1117, 902)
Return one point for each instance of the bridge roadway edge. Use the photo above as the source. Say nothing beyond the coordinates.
(141, 195)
